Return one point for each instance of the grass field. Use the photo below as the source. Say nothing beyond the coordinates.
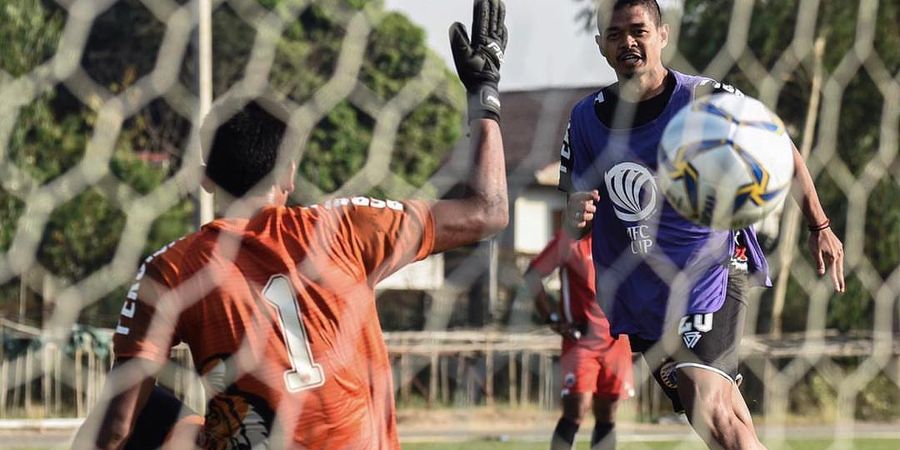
(689, 444)
(794, 444)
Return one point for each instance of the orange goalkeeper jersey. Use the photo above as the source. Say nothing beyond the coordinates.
(279, 314)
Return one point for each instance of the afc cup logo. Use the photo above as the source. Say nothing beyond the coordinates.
(633, 191)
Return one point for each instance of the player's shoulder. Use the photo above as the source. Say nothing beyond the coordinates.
(365, 212)
(174, 251)
(586, 104)
(701, 85)
(166, 264)
(354, 206)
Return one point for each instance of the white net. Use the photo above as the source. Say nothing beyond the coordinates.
(99, 155)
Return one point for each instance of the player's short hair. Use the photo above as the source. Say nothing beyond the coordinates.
(244, 149)
(608, 6)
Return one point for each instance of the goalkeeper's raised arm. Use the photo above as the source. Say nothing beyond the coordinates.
(484, 211)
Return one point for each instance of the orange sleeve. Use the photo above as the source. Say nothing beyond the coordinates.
(389, 235)
(149, 317)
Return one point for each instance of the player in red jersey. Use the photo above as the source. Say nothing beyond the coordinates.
(596, 368)
(277, 303)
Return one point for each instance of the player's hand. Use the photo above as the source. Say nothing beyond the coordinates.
(478, 59)
(828, 251)
(561, 328)
(581, 208)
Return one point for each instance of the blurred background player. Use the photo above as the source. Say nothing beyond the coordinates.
(277, 303)
(596, 369)
(667, 280)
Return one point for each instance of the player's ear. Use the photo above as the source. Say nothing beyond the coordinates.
(664, 35)
(599, 40)
(286, 183)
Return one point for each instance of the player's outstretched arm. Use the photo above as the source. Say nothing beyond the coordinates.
(826, 248)
(485, 210)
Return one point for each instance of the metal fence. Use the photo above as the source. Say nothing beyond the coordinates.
(40, 377)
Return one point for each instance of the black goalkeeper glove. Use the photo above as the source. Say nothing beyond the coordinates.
(478, 61)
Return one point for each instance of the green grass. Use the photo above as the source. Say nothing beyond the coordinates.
(794, 444)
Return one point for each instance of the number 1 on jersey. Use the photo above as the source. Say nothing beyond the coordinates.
(305, 373)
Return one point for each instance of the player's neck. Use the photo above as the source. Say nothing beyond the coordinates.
(248, 205)
(643, 87)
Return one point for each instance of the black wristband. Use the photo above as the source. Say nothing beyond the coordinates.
(819, 227)
(484, 103)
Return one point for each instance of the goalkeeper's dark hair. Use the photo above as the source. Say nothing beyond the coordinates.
(650, 5)
(244, 149)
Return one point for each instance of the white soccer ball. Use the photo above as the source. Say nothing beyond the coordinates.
(725, 161)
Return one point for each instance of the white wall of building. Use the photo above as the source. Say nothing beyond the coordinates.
(533, 219)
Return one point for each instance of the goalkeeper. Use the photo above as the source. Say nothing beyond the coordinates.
(277, 303)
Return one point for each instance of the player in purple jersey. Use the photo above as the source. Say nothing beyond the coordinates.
(662, 279)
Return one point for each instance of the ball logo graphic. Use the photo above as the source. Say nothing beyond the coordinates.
(632, 189)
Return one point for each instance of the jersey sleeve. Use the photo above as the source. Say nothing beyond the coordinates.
(389, 234)
(566, 160)
(575, 157)
(148, 322)
(549, 259)
(710, 87)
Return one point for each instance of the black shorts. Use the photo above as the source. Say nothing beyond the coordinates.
(707, 341)
(160, 414)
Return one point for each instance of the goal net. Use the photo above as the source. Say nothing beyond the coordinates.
(100, 109)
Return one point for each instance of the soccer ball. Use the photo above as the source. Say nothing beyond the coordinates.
(725, 161)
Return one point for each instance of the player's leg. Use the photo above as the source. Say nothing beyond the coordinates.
(575, 407)
(710, 400)
(579, 377)
(662, 367)
(614, 381)
(163, 418)
(707, 364)
(604, 435)
(739, 405)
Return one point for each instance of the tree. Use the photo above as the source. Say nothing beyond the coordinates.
(50, 133)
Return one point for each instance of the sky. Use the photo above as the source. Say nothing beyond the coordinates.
(549, 46)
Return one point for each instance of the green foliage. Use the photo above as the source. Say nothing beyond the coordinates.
(50, 135)
(52, 132)
(29, 32)
(116, 55)
(81, 236)
(338, 147)
(395, 54)
(879, 400)
(433, 123)
(307, 54)
(813, 397)
(11, 209)
(305, 60)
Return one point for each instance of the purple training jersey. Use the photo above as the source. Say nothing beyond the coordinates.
(647, 255)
